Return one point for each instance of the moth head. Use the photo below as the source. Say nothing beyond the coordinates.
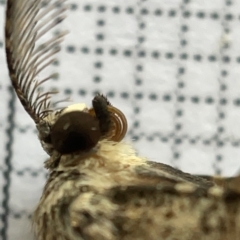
(30, 49)
(79, 129)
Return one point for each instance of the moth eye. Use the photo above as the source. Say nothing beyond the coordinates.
(75, 131)
(119, 125)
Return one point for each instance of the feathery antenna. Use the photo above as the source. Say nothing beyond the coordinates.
(27, 21)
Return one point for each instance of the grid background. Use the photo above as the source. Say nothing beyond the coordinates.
(172, 66)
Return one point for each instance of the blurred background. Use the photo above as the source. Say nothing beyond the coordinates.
(173, 68)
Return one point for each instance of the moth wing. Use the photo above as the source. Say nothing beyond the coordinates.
(160, 171)
(138, 211)
(144, 211)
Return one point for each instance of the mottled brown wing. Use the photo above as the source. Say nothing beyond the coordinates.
(159, 212)
(164, 204)
(155, 170)
(180, 212)
(27, 22)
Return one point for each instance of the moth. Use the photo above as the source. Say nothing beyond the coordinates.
(98, 188)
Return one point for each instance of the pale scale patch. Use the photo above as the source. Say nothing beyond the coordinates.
(185, 187)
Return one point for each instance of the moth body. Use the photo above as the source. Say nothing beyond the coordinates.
(77, 181)
(102, 195)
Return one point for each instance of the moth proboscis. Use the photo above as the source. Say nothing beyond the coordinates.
(98, 188)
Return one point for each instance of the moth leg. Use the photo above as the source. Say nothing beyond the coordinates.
(100, 106)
